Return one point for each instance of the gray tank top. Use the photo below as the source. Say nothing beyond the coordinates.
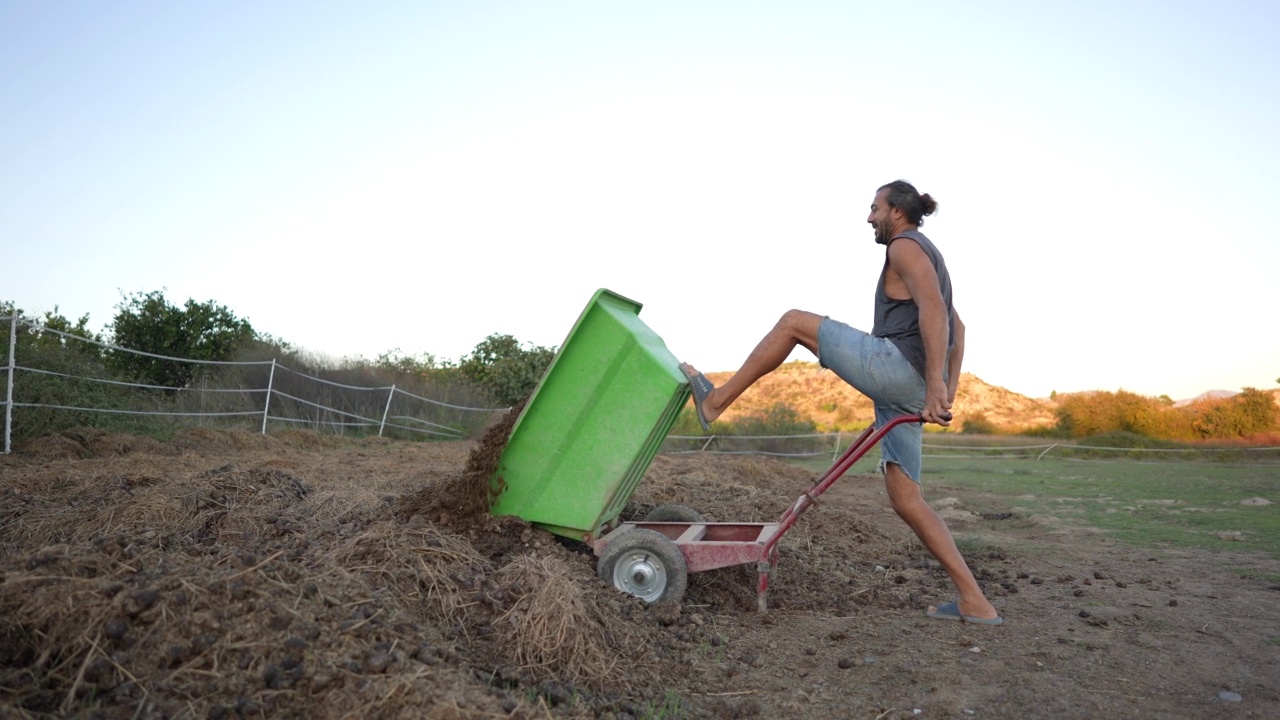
(899, 320)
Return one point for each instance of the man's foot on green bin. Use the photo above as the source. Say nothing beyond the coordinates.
(702, 388)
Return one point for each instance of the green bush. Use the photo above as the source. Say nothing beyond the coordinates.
(777, 429)
(149, 323)
(1125, 439)
(70, 371)
(978, 424)
(1248, 413)
(1089, 414)
(1128, 445)
(504, 369)
(65, 354)
(777, 419)
(1044, 431)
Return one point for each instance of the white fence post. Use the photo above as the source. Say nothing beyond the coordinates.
(386, 410)
(266, 406)
(836, 455)
(8, 392)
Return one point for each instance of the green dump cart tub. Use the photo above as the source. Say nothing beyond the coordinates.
(592, 426)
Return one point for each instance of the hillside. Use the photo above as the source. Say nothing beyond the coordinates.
(819, 394)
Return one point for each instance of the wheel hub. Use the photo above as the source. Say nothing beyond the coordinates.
(640, 574)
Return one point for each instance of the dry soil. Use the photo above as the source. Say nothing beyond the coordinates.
(227, 574)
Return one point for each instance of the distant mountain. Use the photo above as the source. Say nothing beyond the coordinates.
(819, 395)
(1210, 395)
(826, 399)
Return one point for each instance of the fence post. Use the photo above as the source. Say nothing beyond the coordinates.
(836, 455)
(386, 410)
(8, 392)
(267, 405)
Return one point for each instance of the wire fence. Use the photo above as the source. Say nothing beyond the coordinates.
(73, 386)
(831, 445)
(793, 446)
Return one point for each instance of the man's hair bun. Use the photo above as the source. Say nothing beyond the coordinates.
(904, 196)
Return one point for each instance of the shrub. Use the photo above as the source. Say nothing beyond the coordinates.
(1094, 413)
(71, 371)
(777, 419)
(504, 369)
(199, 331)
(1248, 413)
(1125, 439)
(779, 429)
(66, 354)
(978, 424)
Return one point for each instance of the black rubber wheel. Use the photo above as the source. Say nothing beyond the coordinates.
(645, 564)
(674, 513)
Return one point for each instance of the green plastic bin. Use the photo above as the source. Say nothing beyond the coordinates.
(592, 426)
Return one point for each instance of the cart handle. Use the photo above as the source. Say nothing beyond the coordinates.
(851, 455)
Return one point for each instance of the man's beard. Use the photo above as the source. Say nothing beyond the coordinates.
(884, 232)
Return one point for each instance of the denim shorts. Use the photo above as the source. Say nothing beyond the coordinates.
(876, 368)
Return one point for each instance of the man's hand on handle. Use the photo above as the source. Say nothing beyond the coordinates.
(937, 408)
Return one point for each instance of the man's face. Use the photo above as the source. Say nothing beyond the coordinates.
(881, 217)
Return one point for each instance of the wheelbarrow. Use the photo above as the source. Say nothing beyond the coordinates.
(585, 438)
(652, 559)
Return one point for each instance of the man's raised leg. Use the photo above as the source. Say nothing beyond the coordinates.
(796, 327)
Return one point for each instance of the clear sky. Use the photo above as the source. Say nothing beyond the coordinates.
(355, 177)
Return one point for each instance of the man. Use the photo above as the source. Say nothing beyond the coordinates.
(909, 364)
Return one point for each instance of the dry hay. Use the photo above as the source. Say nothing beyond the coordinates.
(143, 632)
(141, 495)
(553, 620)
(720, 488)
(252, 576)
(810, 572)
(58, 445)
(237, 483)
(161, 586)
(202, 438)
(89, 443)
(308, 439)
(419, 563)
(381, 623)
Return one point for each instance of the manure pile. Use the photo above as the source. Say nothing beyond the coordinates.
(227, 574)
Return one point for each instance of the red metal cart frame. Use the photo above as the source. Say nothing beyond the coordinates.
(641, 563)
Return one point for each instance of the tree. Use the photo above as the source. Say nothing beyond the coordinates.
(198, 331)
(1251, 411)
(37, 334)
(1095, 413)
(505, 370)
(423, 365)
(79, 329)
(66, 353)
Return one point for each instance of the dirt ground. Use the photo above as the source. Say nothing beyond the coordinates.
(228, 574)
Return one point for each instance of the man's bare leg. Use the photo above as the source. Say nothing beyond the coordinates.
(908, 502)
(796, 327)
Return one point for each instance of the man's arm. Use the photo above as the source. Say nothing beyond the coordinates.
(957, 357)
(909, 261)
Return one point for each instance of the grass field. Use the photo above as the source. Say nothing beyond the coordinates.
(1193, 504)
